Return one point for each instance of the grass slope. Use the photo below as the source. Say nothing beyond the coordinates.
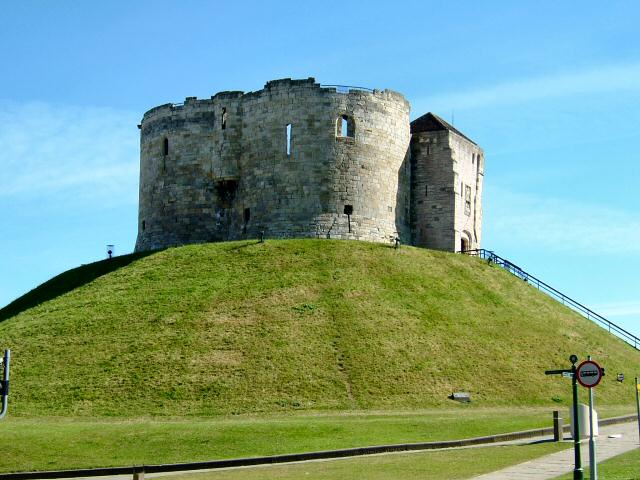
(298, 325)
(65, 282)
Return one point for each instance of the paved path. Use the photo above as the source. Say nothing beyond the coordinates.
(551, 466)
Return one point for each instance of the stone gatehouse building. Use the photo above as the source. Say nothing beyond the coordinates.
(299, 159)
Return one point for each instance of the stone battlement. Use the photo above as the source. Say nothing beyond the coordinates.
(299, 159)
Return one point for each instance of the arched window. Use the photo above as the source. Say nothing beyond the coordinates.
(345, 127)
(165, 146)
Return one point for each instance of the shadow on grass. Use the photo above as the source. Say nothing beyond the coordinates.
(67, 281)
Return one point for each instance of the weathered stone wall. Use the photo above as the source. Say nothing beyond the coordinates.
(433, 191)
(468, 161)
(444, 164)
(227, 174)
(184, 156)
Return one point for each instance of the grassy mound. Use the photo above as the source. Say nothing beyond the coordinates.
(298, 325)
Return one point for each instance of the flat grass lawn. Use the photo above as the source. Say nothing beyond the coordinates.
(62, 443)
(433, 465)
(622, 467)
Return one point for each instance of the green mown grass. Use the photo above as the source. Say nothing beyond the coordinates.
(433, 465)
(298, 325)
(622, 467)
(62, 443)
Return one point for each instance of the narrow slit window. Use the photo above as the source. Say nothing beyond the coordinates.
(288, 139)
(165, 146)
(224, 118)
(467, 200)
(144, 225)
(247, 215)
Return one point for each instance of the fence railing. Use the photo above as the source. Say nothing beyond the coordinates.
(347, 88)
(620, 332)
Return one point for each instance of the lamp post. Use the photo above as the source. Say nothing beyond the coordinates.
(4, 383)
(578, 473)
(638, 404)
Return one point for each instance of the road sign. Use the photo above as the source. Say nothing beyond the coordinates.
(589, 374)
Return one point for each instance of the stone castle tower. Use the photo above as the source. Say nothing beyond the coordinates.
(297, 159)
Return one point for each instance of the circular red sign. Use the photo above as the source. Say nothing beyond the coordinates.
(589, 374)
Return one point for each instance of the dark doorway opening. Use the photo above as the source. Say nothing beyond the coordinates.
(464, 244)
(226, 192)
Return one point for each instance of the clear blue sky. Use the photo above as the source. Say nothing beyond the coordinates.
(550, 90)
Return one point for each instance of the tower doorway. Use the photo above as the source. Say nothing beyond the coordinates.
(464, 244)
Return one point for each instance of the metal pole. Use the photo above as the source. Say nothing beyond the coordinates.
(638, 405)
(578, 474)
(5, 383)
(593, 468)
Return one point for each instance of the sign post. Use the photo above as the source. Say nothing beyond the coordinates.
(578, 473)
(593, 467)
(589, 375)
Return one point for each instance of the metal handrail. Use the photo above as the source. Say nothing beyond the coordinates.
(348, 88)
(512, 268)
